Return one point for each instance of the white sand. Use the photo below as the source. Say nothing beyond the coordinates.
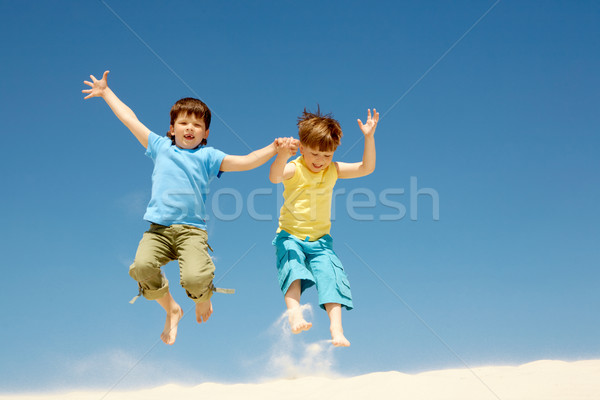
(540, 380)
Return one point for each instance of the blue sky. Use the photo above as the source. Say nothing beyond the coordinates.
(502, 126)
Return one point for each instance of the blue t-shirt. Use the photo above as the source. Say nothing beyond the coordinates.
(180, 182)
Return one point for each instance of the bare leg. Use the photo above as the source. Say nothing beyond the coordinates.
(174, 314)
(334, 311)
(203, 311)
(292, 301)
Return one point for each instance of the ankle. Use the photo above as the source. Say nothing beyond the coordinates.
(174, 310)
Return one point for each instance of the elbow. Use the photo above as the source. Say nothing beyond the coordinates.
(368, 170)
(371, 167)
(275, 175)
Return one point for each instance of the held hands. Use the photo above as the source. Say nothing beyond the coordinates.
(368, 129)
(98, 86)
(286, 147)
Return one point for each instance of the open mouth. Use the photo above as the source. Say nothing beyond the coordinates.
(188, 137)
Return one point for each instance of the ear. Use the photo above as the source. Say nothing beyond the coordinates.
(301, 149)
(206, 134)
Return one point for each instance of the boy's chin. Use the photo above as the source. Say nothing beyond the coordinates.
(187, 145)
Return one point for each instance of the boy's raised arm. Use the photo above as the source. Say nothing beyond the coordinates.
(99, 88)
(367, 166)
(280, 169)
(249, 161)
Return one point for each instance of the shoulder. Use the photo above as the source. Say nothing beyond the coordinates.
(153, 137)
(336, 168)
(212, 150)
(156, 143)
(290, 172)
(212, 154)
(297, 164)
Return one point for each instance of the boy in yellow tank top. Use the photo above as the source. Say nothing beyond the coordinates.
(304, 248)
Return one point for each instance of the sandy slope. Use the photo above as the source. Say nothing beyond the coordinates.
(540, 380)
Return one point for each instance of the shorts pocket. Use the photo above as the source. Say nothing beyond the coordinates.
(283, 268)
(341, 279)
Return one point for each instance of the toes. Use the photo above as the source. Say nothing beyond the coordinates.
(341, 343)
(167, 339)
(302, 326)
(202, 318)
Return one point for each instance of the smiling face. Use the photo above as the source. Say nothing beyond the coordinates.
(316, 160)
(189, 131)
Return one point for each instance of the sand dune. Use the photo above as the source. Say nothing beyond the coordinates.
(540, 380)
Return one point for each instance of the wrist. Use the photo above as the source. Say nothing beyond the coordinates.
(105, 92)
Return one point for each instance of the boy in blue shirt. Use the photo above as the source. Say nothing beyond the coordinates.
(183, 169)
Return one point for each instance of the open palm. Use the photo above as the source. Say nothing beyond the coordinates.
(97, 86)
(368, 129)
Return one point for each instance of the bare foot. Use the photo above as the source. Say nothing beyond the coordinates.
(297, 321)
(338, 339)
(170, 332)
(203, 311)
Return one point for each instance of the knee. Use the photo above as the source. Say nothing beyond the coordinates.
(199, 278)
(142, 268)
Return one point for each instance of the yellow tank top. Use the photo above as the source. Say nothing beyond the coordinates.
(306, 210)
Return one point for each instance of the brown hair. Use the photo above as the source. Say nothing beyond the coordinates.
(319, 131)
(195, 107)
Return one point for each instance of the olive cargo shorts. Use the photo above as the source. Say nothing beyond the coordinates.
(162, 244)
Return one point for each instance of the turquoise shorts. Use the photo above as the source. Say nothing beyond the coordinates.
(314, 263)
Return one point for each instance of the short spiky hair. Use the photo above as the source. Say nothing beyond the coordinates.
(190, 105)
(319, 131)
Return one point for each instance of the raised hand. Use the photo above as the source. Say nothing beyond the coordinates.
(98, 87)
(293, 145)
(368, 129)
(287, 147)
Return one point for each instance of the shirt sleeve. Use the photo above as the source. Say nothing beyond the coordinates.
(155, 143)
(215, 158)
